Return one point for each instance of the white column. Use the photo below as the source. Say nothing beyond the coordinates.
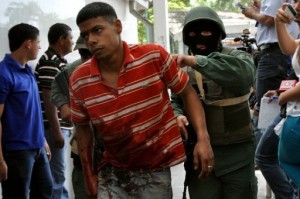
(161, 25)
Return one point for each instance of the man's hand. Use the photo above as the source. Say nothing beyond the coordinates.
(91, 184)
(3, 171)
(182, 122)
(48, 151)
(65, 112)
(204, 156)
(58, 139)
(256, 5)
(248, 13)
(185, 60)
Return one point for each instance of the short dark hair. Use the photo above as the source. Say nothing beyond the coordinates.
(96, 9)
(20, 33)
(84, 53)
(56, 31)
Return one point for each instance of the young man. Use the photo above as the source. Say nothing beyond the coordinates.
(57, 131)
(122, 90)
(24, 166)
(223, 76)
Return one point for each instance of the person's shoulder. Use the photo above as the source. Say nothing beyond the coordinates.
(144, 47)
(81, 70)
(3, 68)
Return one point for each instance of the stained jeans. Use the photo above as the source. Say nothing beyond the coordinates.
(58, 163)
(27, 170)
(120, 184)
(267, 160)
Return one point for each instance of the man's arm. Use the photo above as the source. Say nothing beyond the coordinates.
(60, 98)
(51, 113)
(203, 154)
(286, 42)
(234, 72)
(254, 13)
(85, 144)
(3, 166)
(261, 18)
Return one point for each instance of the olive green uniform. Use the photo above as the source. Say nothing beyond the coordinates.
(227, 74)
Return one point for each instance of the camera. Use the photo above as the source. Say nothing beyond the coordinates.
(248, 43)
(290, 11)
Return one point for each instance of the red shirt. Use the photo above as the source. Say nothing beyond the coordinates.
(136, 121)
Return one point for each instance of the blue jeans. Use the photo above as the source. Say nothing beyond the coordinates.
(27, 170)
(121, 184)
(289, 148)
(267, 160)
(58, 164)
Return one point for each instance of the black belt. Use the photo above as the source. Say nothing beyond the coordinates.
(269, 46)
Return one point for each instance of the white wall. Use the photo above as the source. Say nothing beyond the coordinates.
(43, 14)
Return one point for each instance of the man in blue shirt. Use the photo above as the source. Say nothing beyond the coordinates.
(24, 165)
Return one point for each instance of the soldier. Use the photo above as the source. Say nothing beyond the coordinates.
(223, 77)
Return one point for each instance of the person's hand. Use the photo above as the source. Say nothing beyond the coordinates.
(185, 60)
(256, 5)
(91, 184)
(48, 151)
(281, 16)
(248, 12)
(271, 94)
(182, 122)
(58, 139)
(3, 171)
(203, 155)
(65, 112)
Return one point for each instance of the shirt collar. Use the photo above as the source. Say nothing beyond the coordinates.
(15, 64)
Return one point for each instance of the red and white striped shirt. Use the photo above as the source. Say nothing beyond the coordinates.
(136, 121)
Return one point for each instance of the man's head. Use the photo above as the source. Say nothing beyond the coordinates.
(60, 35)
(24, 36)
(203, 31)
(84, 52)
(100, 28)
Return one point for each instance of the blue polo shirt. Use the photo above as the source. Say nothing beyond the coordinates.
(22, 121)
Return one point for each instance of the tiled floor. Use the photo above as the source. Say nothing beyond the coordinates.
(178, 179)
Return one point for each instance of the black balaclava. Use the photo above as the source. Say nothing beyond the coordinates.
(211, 42)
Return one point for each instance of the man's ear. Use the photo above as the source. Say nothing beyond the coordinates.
(27, 43)
(118, 26)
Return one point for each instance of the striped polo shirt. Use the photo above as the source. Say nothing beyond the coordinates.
(136, 121)
(49, 65)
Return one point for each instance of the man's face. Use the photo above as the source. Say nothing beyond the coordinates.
(102, 38)
(68, 43)
(34, 48)
(203, 38)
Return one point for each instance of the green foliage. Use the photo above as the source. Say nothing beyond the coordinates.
(178, 4)
(223, 5)
(220, 5)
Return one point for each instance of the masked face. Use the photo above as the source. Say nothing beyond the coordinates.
(203, 38)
